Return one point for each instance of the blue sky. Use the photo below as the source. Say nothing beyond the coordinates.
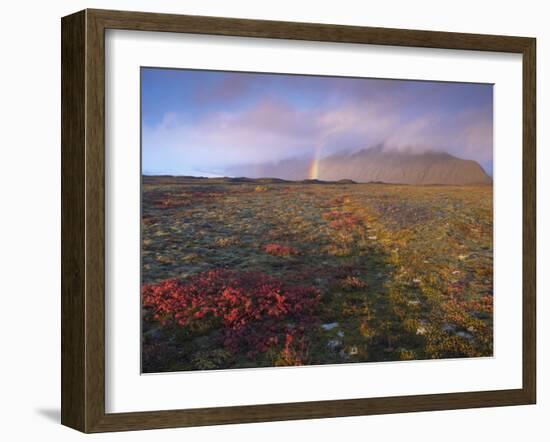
(206, 122)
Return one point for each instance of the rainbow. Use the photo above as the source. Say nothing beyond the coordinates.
(314, 165)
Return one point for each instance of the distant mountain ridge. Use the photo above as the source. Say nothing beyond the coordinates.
(376, 164)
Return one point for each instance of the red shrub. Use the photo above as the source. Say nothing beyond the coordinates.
(280, 250)
(483, 304)
(201, 194)
(295, 350)
(342, 220)
(171, 203)
(255, 311)
(291, 189)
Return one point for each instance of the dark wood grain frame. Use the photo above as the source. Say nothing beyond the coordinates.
(83, 220)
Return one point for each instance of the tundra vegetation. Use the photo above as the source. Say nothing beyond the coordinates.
(257, 273)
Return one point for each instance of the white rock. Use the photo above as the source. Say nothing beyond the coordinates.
(449, 328)
(421, 330)
(464, 335)
(329, 326)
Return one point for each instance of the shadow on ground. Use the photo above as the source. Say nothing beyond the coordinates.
(51, 414)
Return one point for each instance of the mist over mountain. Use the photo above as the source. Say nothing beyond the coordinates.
(375, 164)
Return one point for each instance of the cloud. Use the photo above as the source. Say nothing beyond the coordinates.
(467, 134)
(287, 117)
(268, 131)
(231, 87)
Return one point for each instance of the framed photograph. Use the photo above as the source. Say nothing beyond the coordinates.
(269, 220)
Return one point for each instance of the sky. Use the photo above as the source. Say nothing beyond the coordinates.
(204, 123)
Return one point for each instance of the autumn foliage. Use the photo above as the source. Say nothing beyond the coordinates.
(342, 220)
(280, 250)
(255, 312)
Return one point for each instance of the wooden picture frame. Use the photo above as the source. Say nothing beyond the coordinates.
(83, 220)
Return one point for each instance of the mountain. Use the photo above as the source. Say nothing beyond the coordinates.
(377, 164)
(392, 166)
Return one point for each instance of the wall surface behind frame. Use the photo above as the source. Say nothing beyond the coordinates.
(30, 217)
